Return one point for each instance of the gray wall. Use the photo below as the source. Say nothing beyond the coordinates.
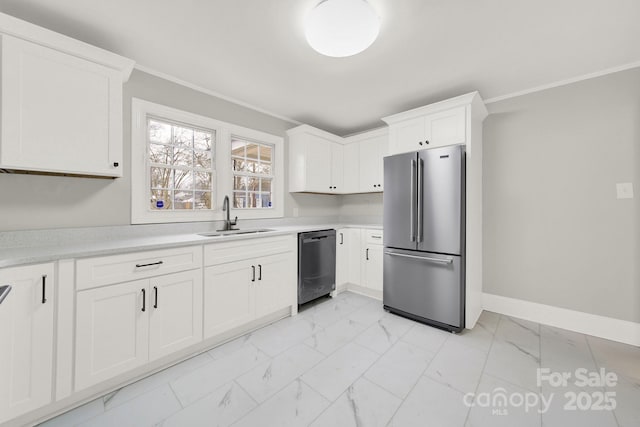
(40, 202)
(554, 232)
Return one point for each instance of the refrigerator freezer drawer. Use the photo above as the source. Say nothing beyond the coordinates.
(425, 285)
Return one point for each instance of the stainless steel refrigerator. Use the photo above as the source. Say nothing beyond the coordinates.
(424, 236)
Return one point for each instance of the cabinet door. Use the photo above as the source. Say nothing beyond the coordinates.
(351, 169)
(373, 267)
(275, 285)
(60, 113)
(26, 340)
(371, 157)
(175, 312)
(337, 168)
(447, 127)
(112, 331)
(318, 161)
(354, 254)
(408, 135)
(229, 299)
(342, 260)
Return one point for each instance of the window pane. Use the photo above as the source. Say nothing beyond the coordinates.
(239, 183)
(239, 199)
(266, 200)
(237, 148)
(252, 151)
(264, 169)
(183, 180)
(265, 153)
(183, 199)
(183, 136)
(160, 153)
(266, 185)
(161, 178)
(161, 199)
(159, 132)
(203, 181)
(202, 141)
(182, 156)
(203, 200)
(202, 159)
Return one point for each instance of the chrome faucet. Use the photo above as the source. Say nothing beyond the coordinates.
(228, 224)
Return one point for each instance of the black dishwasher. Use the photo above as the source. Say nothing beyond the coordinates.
(316, 264)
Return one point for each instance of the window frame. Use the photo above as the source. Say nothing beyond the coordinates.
(141, 212)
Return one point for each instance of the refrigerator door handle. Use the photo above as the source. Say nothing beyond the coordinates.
(420, 190)
(424, 258)
(413, 200)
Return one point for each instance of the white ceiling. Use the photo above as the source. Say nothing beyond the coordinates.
(254, 50)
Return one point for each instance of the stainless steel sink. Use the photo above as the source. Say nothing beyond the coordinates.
(223, 233)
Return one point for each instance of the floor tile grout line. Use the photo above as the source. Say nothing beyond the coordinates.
(331, 402)
(419, 376)
(484, 367)
(597, 364)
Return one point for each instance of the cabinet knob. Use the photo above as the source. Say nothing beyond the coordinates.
(427, 142)
(420, 142)
(116, 164)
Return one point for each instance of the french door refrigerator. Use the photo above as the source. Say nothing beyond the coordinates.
(424, 236)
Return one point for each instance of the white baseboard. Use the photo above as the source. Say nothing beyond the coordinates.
(591, 324)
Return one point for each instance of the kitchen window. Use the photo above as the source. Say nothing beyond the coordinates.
(181, 166)
(252, 166)
(184, 164)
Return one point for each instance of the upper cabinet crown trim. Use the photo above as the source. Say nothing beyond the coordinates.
(306, 129)
(27, 31)
(472, 98)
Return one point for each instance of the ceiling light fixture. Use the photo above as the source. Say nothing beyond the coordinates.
(340, 28)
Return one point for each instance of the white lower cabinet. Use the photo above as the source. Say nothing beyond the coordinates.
(175, 313)
(246, 280)
(229, 298)
(26, 339)
(121, 327)
(372, 262)
(372, 277)
(112, 331)
(276, 275)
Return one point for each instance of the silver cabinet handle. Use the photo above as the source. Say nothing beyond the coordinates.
(420, 189)
(424, 258)
(342, 238)
(4, 291)
(413, 200)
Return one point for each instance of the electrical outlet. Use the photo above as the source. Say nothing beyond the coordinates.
(624, 190)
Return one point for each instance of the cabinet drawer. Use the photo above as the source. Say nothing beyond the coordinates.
(220, 253)
(373, 237)
(94, 272)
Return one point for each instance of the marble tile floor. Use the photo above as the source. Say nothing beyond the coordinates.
(346, 362)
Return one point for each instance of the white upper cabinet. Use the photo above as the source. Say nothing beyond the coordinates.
(316, 160)
(320, 162)
(61, 103)
(371, 147)
(435, 125)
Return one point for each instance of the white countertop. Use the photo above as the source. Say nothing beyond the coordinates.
(38, 253)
